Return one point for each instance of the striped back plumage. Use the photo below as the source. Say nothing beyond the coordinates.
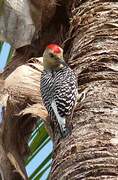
(61, 86)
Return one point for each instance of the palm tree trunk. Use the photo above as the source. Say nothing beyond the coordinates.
(91, 151)
(5, 167)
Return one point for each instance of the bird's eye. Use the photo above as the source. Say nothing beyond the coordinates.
(51, 55)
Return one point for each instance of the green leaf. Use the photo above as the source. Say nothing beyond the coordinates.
(41, 166)
(39, 139)
(1, 46)
(35, 131)
(42, 172)
(30, 158)
(9, 59)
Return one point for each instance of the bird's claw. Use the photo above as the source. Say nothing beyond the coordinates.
(64, 132)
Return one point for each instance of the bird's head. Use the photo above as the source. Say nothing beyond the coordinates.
(53, 57)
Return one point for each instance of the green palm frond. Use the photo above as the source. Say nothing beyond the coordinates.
(40, 170)
(38, 142)
(10, 55)
(1, 46)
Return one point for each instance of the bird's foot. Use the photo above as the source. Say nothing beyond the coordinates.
(65, 132)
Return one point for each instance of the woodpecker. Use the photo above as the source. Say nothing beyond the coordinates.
(58, 86)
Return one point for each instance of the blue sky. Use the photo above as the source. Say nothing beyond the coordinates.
(3, 58)
(3, 55)
(48, 148)
(38, 159)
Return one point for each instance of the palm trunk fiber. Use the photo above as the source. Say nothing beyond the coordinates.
(91, 151)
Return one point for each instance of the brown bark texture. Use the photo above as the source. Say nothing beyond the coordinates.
(91, 151)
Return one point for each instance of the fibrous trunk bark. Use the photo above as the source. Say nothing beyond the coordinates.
(91, 151)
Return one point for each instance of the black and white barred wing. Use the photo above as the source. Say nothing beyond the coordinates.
(65, 94)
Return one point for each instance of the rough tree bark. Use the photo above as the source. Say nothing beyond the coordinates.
(91, 151)
(90, 45)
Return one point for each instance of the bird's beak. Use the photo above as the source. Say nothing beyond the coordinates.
(62, 62)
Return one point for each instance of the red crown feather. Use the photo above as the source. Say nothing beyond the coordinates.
(54, 47)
